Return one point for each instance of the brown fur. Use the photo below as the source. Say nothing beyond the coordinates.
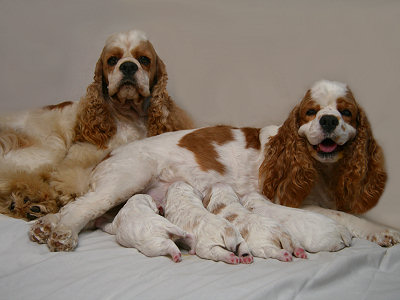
(252, 136)
(200, 142)
(289, 172)
(86, 136)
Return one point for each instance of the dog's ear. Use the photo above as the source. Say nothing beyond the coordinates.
(163, 114)
(287, 173)
(361, 176)
(95, 123)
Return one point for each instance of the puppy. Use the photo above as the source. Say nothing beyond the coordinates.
(264, 236)
(139, 225)
(322, 238)
(217, 239)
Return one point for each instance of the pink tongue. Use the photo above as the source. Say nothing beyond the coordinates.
(327, 148)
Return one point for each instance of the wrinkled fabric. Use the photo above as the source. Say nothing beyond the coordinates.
(101, 269)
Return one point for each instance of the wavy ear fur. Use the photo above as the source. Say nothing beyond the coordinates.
(361, 175)
(95, 123)
(164, 115)
(287, 173)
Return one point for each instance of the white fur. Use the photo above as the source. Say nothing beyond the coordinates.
(139, 225)
(303, 226)
(265, 237)
(216, 238)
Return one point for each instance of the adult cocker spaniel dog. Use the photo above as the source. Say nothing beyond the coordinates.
(47, 154)
(324, 154)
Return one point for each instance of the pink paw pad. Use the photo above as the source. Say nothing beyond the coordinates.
(287, 257)
(177, 258)
(299, 252)
(246, 260)
(233, 259)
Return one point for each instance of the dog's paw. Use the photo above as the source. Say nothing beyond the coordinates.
(40, 230)
(385, 238)
(62, 238)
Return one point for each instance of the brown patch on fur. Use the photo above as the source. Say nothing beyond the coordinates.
(207, 198)
(229, 231)
(217, 209)
(244, 233)
(252, 136)
(231, 217)
(200, 142)
(59, 105)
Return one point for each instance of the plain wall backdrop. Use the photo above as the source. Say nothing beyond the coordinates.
(244, 63)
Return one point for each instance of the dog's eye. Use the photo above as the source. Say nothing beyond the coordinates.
(311, 112)
(346, 113)
(112, 61)
(12, 206)
(144, 60)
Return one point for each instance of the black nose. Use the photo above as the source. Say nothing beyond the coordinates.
(128, 68)
(329, 123)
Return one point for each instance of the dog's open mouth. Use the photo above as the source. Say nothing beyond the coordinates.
(327, 148)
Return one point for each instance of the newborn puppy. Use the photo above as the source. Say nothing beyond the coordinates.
(139, 225)
(304, 226)
(216, 238)
(264, 236)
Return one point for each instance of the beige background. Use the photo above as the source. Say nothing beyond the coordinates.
(237, 62)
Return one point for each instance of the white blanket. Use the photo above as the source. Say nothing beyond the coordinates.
(101, 269)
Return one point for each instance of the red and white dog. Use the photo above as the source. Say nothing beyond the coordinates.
(305, 161)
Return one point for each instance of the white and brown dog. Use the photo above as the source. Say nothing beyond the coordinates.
(138, 225)
(264, 236)
(47, 154)
(342, 169)
(216, 238)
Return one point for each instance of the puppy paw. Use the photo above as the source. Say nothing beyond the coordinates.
(232, 259)
(248, 259)
(62, 238)
(386, 238)
(300, 253)
(177, 257)
(42, 228)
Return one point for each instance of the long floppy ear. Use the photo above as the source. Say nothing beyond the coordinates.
(362, 175)
(95, 123)
(287, 173)
(163, 114)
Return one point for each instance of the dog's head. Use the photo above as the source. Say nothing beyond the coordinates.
(328, 119)
(129, 78)
(127, 69)
(328, 127)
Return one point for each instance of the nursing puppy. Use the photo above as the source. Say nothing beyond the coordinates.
(139, 225)
(264, 236)
(322, 237)
(216, 238)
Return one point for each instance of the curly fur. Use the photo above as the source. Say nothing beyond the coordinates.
(289, 172)
(47, 154)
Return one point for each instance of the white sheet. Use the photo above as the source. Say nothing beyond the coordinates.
(101, 269)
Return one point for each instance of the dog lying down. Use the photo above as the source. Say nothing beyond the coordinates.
(264, 236)
(139, 225)
(216, 238)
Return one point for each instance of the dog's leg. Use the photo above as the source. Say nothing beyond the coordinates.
(114, 181)
(361, 228)
(179, 235)
(217, 253)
